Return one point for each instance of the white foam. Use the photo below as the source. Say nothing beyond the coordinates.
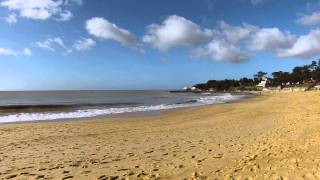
(21, 117)
(227, 97)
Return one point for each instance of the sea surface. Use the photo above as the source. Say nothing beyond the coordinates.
(54, 105)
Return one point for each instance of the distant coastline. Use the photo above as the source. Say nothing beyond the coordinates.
(302, 78)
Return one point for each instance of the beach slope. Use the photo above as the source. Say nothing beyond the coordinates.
(268, 137)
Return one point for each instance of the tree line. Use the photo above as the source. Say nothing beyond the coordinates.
(301, 75)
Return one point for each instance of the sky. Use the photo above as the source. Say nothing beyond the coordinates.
(149, 44)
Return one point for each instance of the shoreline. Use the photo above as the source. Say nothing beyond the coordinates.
(135, 114)
(268, 137)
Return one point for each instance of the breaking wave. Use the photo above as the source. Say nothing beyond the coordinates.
(85, 113)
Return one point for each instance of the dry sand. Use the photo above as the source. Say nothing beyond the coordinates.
(269, 137)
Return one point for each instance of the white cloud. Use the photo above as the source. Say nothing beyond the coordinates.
(65, 16)
(176, 31)
(271, 39)
(103, 29)
(222, 50)
(34, 9)
(12, 18)
(57, 44)
(11, 52)
(306, 46)
(308, 20)
(84, 44)
(237, 33)
(39, 9)
(51, 43)
(7, 52)
(27, 52)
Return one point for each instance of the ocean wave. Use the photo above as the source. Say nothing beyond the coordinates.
(227, 97)
(54, 106)
(21, 117)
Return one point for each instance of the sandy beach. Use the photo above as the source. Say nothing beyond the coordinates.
(274, 136)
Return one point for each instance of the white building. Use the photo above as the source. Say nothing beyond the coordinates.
(263, 82)
(193, 88)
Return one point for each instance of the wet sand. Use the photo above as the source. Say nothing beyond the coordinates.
(274, 136)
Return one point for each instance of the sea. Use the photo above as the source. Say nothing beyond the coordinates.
(56, 105)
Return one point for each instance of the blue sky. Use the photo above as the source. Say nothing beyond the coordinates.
(168, 44)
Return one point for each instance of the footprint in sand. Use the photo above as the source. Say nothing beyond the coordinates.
(67, 177)
(40, 177)
(85, 172)
(148, 152)
(65, 172)
(103, 177)
(218, 156)
(11, 176)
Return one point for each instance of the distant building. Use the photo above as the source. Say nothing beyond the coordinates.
(193, 88)
(263, 82)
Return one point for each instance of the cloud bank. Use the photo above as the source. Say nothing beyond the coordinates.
(228, 43)
(282, 43)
